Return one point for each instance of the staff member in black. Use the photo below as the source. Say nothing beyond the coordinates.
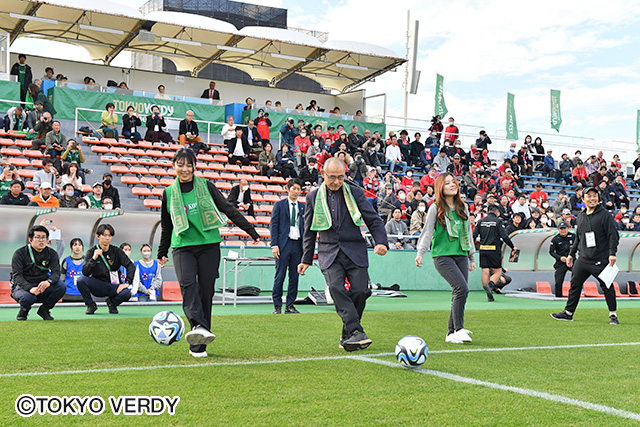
(35, 275)
(101, 273)
(334, 213)
(190, 219)
(492, 233)
(597, 241)
(559, 249)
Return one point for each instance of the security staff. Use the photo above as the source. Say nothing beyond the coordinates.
(597, 242)
(492, 233)
(35, 275)
(559, 249)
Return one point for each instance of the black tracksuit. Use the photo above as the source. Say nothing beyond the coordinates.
(593, 259)
(492, 233)
(27, 274)
(559, 247)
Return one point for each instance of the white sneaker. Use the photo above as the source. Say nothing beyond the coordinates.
(199, 336)
(463, 335)
(453, 338)
(198, 354)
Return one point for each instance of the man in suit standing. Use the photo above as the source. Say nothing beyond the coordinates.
(240, 197)
(287, 228)
(211, 93)
(334, 214)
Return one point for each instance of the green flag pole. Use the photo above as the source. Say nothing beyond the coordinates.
(440, 108)
(556, 116)
(512, 126)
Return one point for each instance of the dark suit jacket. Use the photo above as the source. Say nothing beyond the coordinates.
(129, 122)
(343, 234)
(245, 145)
(235, 192)
(205, 94)
(281, 221)
(251, 134)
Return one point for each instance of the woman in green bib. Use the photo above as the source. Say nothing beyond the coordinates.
(191, 217)
(447, 231)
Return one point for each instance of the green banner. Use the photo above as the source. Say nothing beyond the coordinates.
(278, 119)
(638, 131)
(556, 116)
(441, 108)
(512, 126)
(66, 100)
(11, 92)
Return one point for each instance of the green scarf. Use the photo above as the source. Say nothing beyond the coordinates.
(209, 214)
(462, 234)
(322, 217)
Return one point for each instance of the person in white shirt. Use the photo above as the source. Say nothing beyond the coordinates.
(521, 206)
(161, 94)
(228, 130)
(394, 157)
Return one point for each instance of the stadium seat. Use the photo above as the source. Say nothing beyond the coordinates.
(138, 170)
(619, 293)
(19, 162)
(565, 288)
(10, 152)
(265, 208)
(128, 160)
(157, 192)
(119, 169)
(271, 198)
(86, 188)
(109, 159)
(249, 169)
(205, 157)
(147, 162)
(171, 291)
(591, 290)
(127, 143)
(158, 172)
(5, 142)
(136, 152)
(234, 168)
(99, 149)
(152, 203)
(211, 175)
(23, 143)
(155, 153)
(221, 159)
(262, 179)
(34, 154)
(202, 166)
(263, 220)
(217, 167)
(150, 181)
(166, 181)
(130, 180)
(26, 173)
(145, 144)
(276, 189)
(258, 187)
(222, 185)
(141, 191)
(543, 288)
(5, 293)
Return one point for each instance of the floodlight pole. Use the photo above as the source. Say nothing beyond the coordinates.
(406, 71)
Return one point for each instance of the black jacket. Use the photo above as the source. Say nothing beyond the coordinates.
(603, 225)
(129, 122)
(307, 175)
(153, 121)
(113, 193)
(560, 246)
(245, 146)
(28, 75)
(491, 231)
(185, 128)
(116, 259)
(26, 274)
(205, 94)
(8, 199)
(235, 192)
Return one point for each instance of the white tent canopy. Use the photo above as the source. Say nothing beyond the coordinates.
(192, 41)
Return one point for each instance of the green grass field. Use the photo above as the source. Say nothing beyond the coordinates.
(254, 375)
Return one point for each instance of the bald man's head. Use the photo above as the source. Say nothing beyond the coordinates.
(244, 182)
(334, 164)
(333, 173)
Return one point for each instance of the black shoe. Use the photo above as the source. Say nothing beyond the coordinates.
(278, 310)
(22, 314)
(563, 315)
(290, 309)
(613, 320)
(112, 307)
(44, 313)
(487, 289)
(357, 341)
(91, 308)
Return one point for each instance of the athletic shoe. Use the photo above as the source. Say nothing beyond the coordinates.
(278, 310)
(22, 314)
(199, 336)
(563, 315)
(112, 307)
(463, 335)
(290, 309)
(357, 341)
(453, 338)
(91, 308)
(487, 289)
(340, 346)
(198, 354)
(88, 171)
(613, 320)
(44, 313)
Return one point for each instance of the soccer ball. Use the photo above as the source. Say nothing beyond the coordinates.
(166, 328)
(411, 351)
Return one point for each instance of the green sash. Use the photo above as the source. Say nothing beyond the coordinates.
(209, 214)
(454, 233)
(322, 216)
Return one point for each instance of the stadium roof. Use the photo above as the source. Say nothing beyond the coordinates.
(193, 41)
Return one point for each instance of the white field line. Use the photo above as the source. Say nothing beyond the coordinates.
(524, 391)
(302, 359)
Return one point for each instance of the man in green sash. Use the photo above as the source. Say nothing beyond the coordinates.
(334, 214)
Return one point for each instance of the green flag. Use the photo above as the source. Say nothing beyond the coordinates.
(556, 116)
(512, 127)
(441, 109)
(638, 131)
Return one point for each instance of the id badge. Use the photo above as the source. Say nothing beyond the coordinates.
(156, 128)
(133, 129)
(115, 277)
(591, 239)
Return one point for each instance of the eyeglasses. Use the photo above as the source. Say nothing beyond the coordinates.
(335, 178)
(40, 237)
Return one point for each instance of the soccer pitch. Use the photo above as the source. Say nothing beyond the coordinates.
(523, 368)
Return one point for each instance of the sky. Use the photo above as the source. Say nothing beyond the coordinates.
(484, 49)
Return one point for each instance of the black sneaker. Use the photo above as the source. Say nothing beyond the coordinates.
(290, 309)
(44, 313)
(91, 308)
(613, 320)
(112, 307)
(487, 289)
(357, 341)
(278, 310)
(22, 314)
(563, 315)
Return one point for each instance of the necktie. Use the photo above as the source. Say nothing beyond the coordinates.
(294, 214)
(210, 93)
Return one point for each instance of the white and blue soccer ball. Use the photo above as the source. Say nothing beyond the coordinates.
(412, 351)
(166, 328)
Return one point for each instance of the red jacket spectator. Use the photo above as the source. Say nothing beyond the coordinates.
(262, 124)
(580, 174)
(371, 187)
(427, 180)
(451, 133)
(321, 158)
(538, 196)
(302, 144)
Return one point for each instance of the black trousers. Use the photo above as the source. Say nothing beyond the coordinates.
(561, 271)
(235, 159)
(350, 303)
(582, 269)
(197, 270)
(48, 298)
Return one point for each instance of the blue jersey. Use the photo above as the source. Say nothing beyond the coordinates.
(73, 270)
(147, 274)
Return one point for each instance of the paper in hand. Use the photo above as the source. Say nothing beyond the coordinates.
(55, 234)
(609, 274)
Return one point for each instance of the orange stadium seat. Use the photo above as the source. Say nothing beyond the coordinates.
(136, 152)
(217, 167)
(146, 180)
(100, 149)
(264, 208)
(221, 159)
(138, 170)
(591, 289)
(127, 143)
(250, 169)
(5, 142)
(121, 151)
(152, 203)
(202, 166)
(10, 152)
(23, 143)
(155, 153)
(158, 172)
(130, 180)
(147, 162)
(229, 177)
(211, 175)
(157, 192)
(86, 188)
(19, 162)
(222, 185)
(205, 157)
(15, 134)
(234, 168)
(5, 293)
(119, 169)
(271, 198)
(141, 191)
(27, 173)
(34, 154)
(565, 288)
(276, 189)
(109, 159)
(166, 181)
(262, 179)
(145, 144)
(109, 141)
(171, 291)
(263, 220)
(36, 163)
(618, 293)
(258, 187)
(543, 288)
(255, 198)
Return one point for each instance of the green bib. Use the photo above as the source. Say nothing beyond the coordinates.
(195, 234)
(446, 245)
(94, 203)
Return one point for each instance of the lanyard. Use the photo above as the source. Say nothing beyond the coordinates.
(33, 260)
(104, 260)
